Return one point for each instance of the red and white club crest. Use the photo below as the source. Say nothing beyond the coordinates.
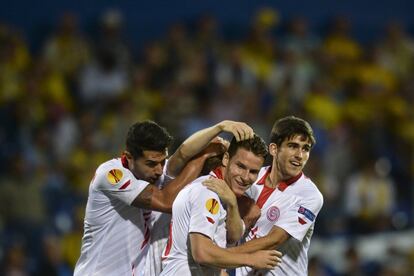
(273, 213)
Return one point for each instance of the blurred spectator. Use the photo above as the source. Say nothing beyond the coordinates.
(354, 264)
(66, 51)
(22, 209)
(102, 80)
(259, 49)
(15, 261)
(14, 60)
(51, 263)
(339, 43)
(317, 268)
(111, 39)
(396, 51)
(299, 40)
(370, 197)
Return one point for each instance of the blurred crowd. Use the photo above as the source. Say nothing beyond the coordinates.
(66, 108)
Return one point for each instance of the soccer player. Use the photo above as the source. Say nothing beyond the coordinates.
(202, 224)
(289, 200)
(123, 190)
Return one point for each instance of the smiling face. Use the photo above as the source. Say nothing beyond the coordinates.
(291, 156)
(148, 167)
(241, 170)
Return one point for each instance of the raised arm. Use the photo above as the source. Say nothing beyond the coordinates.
(199, 140)
(205, 252)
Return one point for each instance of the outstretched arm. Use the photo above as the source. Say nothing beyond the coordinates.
(199, 140)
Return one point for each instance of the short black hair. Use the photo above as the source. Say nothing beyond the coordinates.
(287, 127)
(256, 145)
(147, 135)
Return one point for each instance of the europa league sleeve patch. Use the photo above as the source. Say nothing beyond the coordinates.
(212, 205)
(114, 176)
(307, 213)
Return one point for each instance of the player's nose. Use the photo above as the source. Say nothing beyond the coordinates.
(158, 169)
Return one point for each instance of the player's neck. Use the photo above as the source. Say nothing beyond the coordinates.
(272, 179)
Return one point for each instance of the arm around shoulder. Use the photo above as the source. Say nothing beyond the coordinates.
(161, 200)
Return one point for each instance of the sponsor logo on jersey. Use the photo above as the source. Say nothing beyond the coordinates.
(212, 205)
(307, 213)
(273, 213)
(114, 176)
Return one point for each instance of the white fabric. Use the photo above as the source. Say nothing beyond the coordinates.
(160, 225)
(195, 210)
(115, 233)
(294, 210)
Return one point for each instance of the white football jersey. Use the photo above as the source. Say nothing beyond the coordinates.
(160, 225)
(116, 234)
(293, 206)
(195, 210)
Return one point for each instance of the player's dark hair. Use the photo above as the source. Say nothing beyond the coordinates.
(147, 135)
(256, 145)
(290, 126)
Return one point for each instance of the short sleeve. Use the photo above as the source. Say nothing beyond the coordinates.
(118, 183)
(205, 212)
(299, 215)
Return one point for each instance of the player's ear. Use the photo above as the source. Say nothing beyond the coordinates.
(225, 160)
(128, 155)
(272, 149)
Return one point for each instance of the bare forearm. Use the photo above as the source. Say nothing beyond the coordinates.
(234, 224)
(226, 259)
(275, 237)
(192, 146)
(253, 246)
(190, 172)
(161, 200)
(206, 253)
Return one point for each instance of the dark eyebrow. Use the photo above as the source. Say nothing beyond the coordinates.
(155, 162)
(240, 164)
(292, 144)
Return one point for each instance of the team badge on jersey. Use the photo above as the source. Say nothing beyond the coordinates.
(273, 213)
(212, 205)
(114, 176)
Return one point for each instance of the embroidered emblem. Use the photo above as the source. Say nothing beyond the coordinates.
(114, 176)
(273, 213)
(212, 205)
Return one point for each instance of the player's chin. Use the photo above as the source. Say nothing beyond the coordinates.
(153, 179)
(240, 190)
